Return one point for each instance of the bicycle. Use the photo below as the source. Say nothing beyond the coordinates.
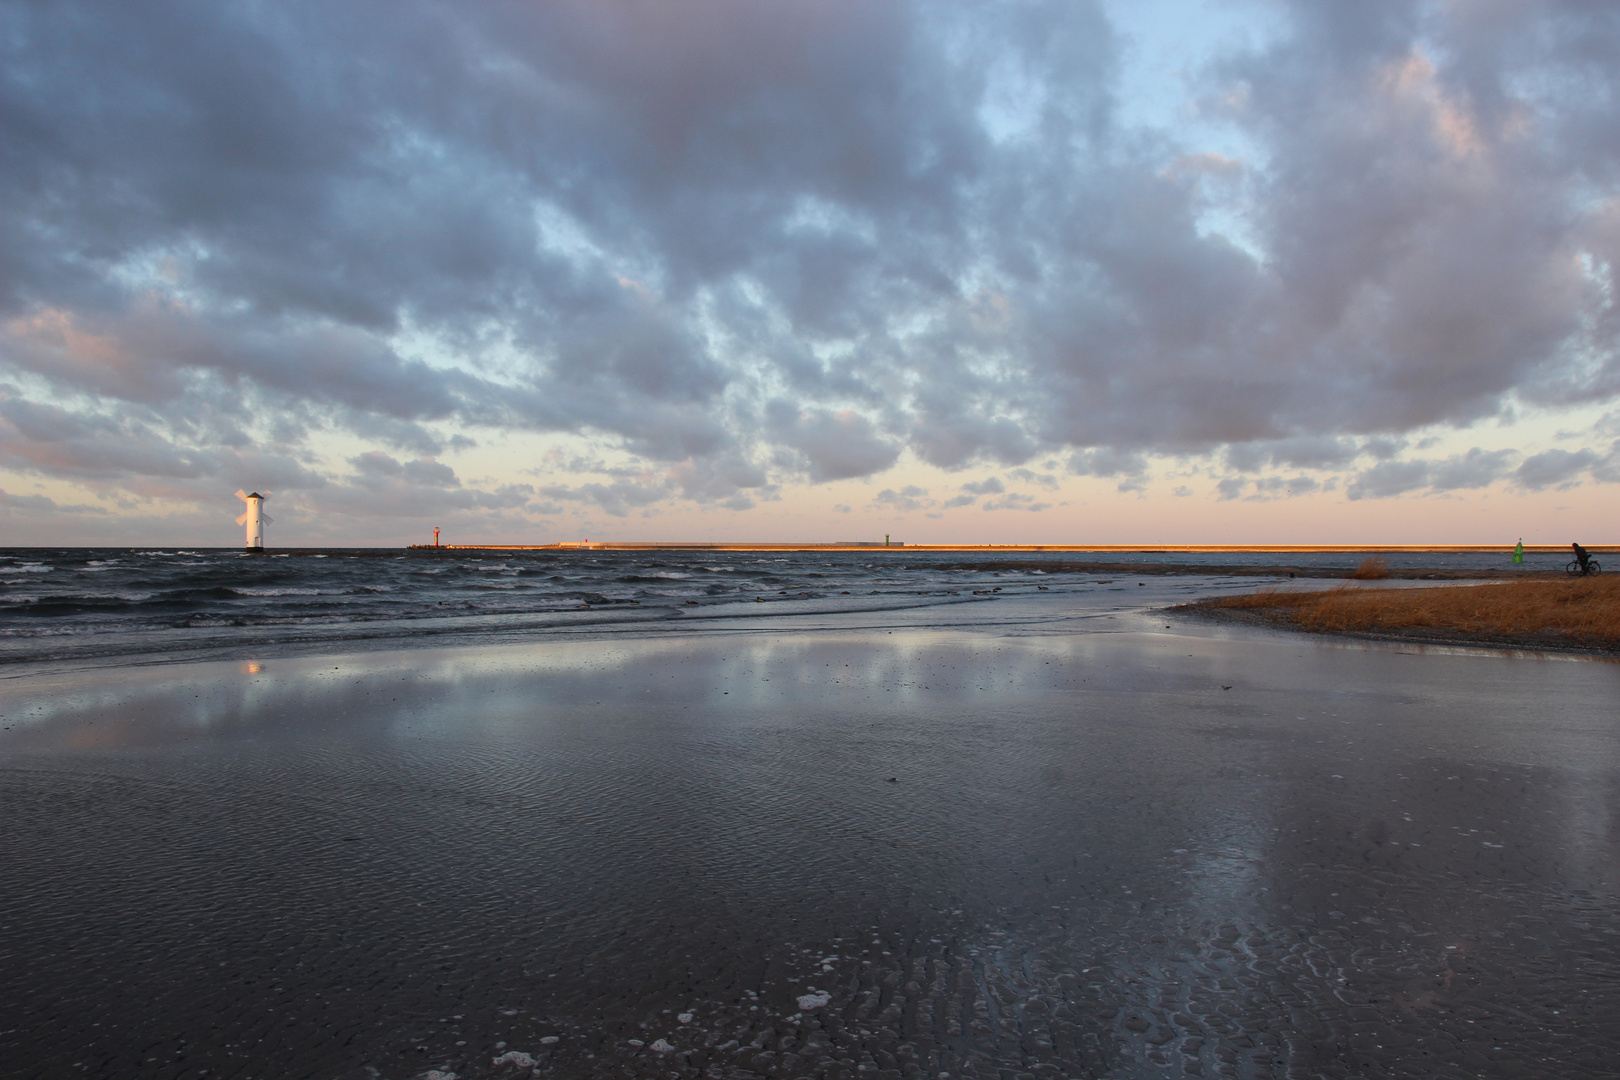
(1591, 569)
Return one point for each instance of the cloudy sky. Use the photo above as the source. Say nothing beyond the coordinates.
(1000, 270)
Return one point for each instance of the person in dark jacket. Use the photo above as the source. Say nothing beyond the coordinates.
(1581, 556)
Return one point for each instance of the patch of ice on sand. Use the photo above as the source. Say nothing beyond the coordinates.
(548, 1040)
(685, 1018)
(637, 1042)
(515, 1057)
(663, 1046)
(813, 1000)
(437, 1074)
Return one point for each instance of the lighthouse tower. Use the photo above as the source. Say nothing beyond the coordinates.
(254, 518)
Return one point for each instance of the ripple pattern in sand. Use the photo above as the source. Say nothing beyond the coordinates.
(1104, 870)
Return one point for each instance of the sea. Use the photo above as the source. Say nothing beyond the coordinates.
(169, 603)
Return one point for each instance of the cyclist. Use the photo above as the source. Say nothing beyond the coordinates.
(1581, 556)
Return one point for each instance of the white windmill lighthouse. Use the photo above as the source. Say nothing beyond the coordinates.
(254, 518)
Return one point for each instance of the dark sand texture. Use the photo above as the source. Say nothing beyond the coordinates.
(906, 854)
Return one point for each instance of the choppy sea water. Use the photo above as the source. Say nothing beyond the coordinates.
(82, 603)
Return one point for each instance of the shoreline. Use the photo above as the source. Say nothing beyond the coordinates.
(143, 609)
(1409, 573)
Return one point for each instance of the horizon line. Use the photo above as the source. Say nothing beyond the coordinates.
(866, 546)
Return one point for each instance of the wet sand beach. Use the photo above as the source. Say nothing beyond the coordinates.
(1125, 845)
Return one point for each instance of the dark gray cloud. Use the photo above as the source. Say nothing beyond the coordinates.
(1476, 468)
(835, 445)
(1030, 476)
(1300, 452)
(1554, 467)
(1607, 471)
(135, 452)
(424, 472)
(1129, 465)
(1389, 478)
(747, 243)
(1108, 462)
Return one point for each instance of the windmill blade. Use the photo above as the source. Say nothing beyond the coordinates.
(267, 519)
(240, 494)
(242, 520)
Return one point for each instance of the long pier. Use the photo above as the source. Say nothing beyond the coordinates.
(878, 546)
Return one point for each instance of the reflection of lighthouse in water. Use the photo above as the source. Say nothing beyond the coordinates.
(254, 518)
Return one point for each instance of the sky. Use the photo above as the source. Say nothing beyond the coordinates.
(999, 271)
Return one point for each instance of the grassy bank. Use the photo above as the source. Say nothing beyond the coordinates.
(1541, 612)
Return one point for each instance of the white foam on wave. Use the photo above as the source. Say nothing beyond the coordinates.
(243, 590)
(133, 598)
(515, 1057)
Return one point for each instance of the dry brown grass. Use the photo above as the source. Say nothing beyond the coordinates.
(1371, 569)
(1583, 610)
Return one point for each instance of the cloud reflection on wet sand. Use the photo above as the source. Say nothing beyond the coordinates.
(1090, 860)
